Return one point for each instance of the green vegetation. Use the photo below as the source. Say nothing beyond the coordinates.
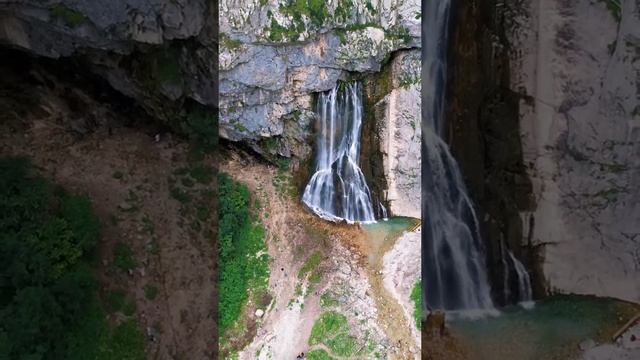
(318, 355)
(229, 43)
(243, 258)
(332, 330)
(314, 10)
(71, 18)
(201, 173)
(311, 264)
(279, 33)
(202, 129)
(343, 10)
(416, 298)
(399, 33)
(615, 8)
(123, 257)
(407, 80)
(326, 301)
(342, 33)
(49, 308)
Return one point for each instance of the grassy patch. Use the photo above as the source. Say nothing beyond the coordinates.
(310, 264)
(332, 330)
(318, 355)
(416, 298)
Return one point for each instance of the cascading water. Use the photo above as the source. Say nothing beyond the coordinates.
(521, 283)
(338, 189)
(453, 264)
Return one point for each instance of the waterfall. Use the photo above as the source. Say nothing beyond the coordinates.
(522, 282)
(338, 190)
(453, 262)
(383, 212)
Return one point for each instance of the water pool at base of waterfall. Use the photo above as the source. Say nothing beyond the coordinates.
(381, 235)
(552, 329)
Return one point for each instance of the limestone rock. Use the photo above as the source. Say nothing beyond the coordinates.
(581, 138)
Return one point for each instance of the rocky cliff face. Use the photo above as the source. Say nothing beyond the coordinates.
(547, 136)
(276, 55)
(577, 67)
(397, 116)
(161, 53)
(273, 57)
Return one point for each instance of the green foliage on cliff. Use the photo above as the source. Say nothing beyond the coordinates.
(314, 10)
(416, 298)
(71, 18)
(243, 259)
(48, 304)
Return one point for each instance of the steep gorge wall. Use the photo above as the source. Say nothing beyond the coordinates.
(544, 120)
(578, 65)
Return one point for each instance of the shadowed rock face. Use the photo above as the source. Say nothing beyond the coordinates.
(272, 62)
(546, 135)
(158, 52)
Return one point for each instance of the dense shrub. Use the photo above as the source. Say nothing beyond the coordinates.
(242, 253)
(47, 288)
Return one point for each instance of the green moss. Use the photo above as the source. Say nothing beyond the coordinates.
(71, 18)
